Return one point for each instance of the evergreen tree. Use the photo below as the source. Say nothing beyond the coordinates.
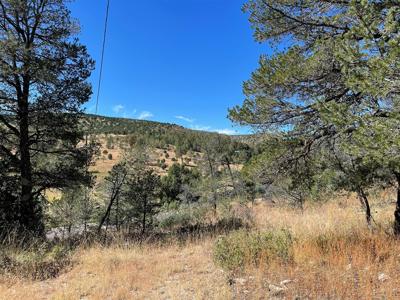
(337, 79)
(73, 210)
(115, 181)
(173, 184)
(43, 73)
(142, 198)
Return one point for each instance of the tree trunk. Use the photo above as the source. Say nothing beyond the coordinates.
(117, 213)
(212, 184)
(364, 201)
(396, 226)
(106, 216)
(116, 189)
(86, 212)
(144, 217)
(69, 229)
(228, 164)
(30, 218)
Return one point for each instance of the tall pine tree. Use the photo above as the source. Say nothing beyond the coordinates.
(43, 83)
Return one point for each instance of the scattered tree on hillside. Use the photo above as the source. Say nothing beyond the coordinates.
(209, 147)
(116, 180)
(142, 198)
(74, 209)
(133, 189)
(174, 183)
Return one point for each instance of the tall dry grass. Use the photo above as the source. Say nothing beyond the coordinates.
(130, 272)
(335, 256)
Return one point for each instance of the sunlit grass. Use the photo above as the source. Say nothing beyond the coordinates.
(333, 255)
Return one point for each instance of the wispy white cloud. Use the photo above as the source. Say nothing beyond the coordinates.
(189, 120)
(118, 108)
(226, 131)
(201, 128)
(145, 115)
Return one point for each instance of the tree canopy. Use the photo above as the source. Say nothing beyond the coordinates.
(334, 86)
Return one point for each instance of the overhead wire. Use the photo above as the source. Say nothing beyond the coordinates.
(102, 56)
(91, 131)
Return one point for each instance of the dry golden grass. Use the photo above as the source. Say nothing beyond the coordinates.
(169, 272)
(341, 214)
(335, 256)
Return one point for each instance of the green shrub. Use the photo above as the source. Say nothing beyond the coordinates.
(243, 248)
(176, 219)
(178, 216)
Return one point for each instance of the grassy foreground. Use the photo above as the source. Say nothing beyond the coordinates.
(331, 255)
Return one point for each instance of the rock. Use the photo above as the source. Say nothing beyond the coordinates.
(382, 277)
(276, 290)
(241, 281)
(284, 283)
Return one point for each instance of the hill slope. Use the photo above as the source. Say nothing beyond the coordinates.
(156, 134)
(167, 143)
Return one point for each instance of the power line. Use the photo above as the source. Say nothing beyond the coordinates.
(102, 56)
(98, 90)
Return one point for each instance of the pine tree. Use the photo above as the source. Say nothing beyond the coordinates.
(43, 73)
(336, 79)
(142, 198)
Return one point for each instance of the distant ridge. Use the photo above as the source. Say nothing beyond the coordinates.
(116, 125)
(156, 134)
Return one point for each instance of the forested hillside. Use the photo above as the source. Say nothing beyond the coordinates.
(159, 135)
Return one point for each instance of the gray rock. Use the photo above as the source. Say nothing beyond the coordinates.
(241, 281)
(284, 283)
(276, 290)
(382, 277)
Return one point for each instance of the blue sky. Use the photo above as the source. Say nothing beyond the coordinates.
(176, 61)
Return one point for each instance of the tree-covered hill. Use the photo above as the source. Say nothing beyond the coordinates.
(124, 126)
(159, 135)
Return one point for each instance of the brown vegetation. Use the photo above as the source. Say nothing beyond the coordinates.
(334, 255)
